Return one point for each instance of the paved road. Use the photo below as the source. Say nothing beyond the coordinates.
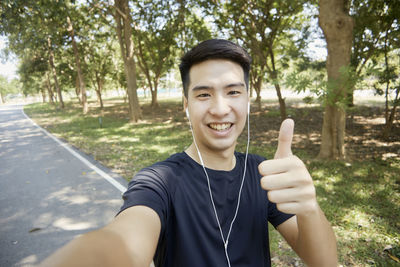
(47, 195)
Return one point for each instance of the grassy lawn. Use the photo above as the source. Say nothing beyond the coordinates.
(361, 196)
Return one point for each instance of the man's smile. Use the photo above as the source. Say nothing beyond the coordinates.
(220, 126)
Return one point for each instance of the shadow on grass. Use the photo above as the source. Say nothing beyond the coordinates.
(362, 202)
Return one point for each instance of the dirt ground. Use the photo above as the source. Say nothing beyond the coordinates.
(364, 126)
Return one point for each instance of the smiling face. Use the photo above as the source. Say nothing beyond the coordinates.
(217, 103)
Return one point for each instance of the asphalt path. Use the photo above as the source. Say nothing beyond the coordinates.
(50, 192)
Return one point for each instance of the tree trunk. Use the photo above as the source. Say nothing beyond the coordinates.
(154, 102)
(124, 32)
(256, 83)
(153, 83)
(81, 78)
(282, 104)
(154, 92)
(389, 114)
(78, 90)
(99, 82)
(48, 85)
(390, 119)
(257, 88)
(43, 92)
(274, 76)
(2, 98)
(337, 26)
(53, 69)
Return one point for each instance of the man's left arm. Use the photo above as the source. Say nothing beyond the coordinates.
(312, 238)
(290, 186)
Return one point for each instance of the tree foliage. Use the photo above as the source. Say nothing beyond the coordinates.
(8, 88)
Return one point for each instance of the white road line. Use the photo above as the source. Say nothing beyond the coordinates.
(109, 179)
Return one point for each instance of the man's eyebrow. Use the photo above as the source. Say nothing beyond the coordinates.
(201, 87)
(239, 84)
(206, 87)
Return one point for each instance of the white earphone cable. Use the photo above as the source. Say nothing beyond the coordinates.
(225, 241)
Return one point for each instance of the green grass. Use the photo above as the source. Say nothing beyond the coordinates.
(361, 199)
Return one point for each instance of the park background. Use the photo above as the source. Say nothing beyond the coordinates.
(106, 74)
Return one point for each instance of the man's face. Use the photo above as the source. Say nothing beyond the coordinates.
(217, 103)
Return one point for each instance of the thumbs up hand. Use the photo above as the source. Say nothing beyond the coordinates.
(286, 178)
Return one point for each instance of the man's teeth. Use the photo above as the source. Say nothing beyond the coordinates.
(220, 126)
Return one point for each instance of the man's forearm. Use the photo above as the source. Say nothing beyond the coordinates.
(316, 243)
(98, 248)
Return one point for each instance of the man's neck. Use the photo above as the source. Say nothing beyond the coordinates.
(221, 160)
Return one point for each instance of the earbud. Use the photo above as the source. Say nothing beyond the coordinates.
(248, 107)
(187, 113)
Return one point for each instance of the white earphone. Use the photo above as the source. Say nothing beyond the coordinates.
(225, 240)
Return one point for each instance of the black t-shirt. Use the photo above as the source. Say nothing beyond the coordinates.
(177, 190)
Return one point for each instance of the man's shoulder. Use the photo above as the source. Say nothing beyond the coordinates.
(168, 167)
(177, 160)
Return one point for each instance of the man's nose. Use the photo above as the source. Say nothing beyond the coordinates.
(220, 106)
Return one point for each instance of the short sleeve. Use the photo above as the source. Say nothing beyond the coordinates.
(147, 188)
(276, 217)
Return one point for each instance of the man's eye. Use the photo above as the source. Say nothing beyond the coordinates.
(203, 95)
(234, 92)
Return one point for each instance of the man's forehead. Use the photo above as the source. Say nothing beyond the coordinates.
(216, 72)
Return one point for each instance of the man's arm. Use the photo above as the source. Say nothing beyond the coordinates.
(290, 186)
(129, 240)
(312, 238)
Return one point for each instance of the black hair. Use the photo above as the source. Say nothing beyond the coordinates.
(214, 49)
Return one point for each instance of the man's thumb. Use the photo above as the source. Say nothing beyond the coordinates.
(285, 139)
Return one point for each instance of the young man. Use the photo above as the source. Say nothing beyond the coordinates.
(209, 205)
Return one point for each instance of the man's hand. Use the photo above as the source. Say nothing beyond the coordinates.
(286, 178)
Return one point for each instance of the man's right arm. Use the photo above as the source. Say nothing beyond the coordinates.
(129, 240)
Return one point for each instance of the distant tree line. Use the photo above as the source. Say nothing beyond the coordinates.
(80, 46)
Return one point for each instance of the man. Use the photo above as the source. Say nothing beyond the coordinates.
(209, 205)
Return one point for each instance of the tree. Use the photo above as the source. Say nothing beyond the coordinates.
(5, 88)
(162, 30)
(377, 40)
(54, 71)
(267, 29)
(34, 25)
(388, 83)
(31, 68)
(155, 31)
(81, 77)
(372, 19)
(100, 49)
(124, 31)
(337, 26)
